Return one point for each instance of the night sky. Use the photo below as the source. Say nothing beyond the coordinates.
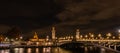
(99, 16)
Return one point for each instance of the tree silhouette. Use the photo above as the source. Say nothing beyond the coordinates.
(1, 38)
(14, 32)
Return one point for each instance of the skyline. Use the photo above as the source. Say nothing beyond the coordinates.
(53, 33)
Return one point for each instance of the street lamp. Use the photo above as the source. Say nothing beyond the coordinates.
(119, 33)
(47, 38)
(81, 36)
(108, 35)
(99, 35)
(68, 37)
(21, 37)
(86, 36)
(71, 37)
(113, 37)
(119, 37)
(92, 36)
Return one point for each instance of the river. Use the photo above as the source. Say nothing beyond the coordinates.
(55, 50)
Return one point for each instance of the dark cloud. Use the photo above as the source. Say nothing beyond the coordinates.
(28, 8)
(90, 16)
(90, 8)
(27, 24)
(65, 15)
(97, 16)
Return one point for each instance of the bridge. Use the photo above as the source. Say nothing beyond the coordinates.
(89, 40)
(104, 43)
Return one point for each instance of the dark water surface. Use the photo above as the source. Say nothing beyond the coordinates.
(56, 50)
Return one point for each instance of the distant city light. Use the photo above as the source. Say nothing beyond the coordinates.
(21, 37)
(119, 30)
(48, 41)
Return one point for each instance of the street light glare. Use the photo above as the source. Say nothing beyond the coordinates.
(119, 30)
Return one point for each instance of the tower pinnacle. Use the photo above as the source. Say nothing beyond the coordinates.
(53, 32)
(77, 34)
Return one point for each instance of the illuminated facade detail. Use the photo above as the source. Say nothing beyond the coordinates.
(35, 38)
(53, 33)
(77, 34)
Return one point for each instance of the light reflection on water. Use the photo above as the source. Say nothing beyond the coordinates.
(102, 50)
(47, 50)
(37, 50)
(29, 50)
(5, 51)
(86, 50)
(54, 50)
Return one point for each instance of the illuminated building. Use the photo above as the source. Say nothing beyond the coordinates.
(53, 33)
(35, 38)
(77, 34)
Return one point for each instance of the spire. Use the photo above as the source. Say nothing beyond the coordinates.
(35, 36)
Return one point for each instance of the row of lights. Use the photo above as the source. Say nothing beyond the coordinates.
(92, 36)
(7, 39)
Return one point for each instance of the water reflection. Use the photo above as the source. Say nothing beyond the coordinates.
(16, 50)
(37, 50)
(47, 50)
(21, 50)
(86, 50)
(55, 50)
(102, 50)
(29, 50)
(4, 51)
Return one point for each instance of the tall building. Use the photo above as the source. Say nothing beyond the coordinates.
(77, 34)
(53, 33)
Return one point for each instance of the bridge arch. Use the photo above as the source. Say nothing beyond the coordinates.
(71, 43)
